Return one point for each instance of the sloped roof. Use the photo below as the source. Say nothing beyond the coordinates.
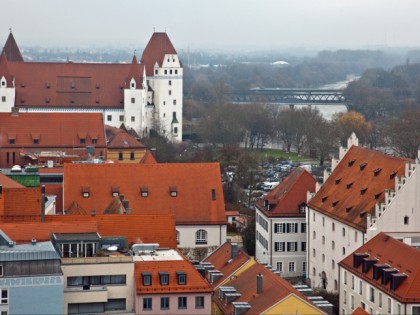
(11, 49)
(55, 130)
(221, 260)
(286, 197)
(356, 185)
(120, 139)
(23, 233)
(158, 46)
(115, 207)
(195, 282)
(148, 158)
(7, 182)
(4, 70)
(138, 228)
(136, 72)
(274, 290)
(192, 182)
(360, 311)
(92, 85)
(395, 254)
(22, 201)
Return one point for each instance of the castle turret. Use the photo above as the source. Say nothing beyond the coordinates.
(7, 88)
(11, 49)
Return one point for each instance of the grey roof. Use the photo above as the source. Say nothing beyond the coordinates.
(50, 200)
(38, 251)
(93, 236)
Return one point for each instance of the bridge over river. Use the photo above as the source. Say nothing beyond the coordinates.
(289, 96)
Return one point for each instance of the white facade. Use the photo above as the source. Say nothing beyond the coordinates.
(281, 243)
(329, 242)
(7, 96)
(195, 236)
(167, 88)
(356, 292)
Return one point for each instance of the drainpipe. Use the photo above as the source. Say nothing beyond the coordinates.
(43, 203)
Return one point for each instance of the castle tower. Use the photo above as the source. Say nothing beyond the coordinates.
(7, 86)
(11, 49)
(165, 79)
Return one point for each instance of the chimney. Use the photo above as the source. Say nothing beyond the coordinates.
(15, 111)
(233, 250)
(33, 242)
(43, 203)
(259, 283)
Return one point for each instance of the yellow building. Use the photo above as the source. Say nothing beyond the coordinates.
(122, 147)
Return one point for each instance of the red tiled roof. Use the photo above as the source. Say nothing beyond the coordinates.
(360, 311)
(396, 254)
(148, 158)
(220, 260)
(193, 183)
(230, 213)
(22, 201)
(4, 70)
(136, 72)
(23, 233)
(138, 228)
(11, 49)
(289, 195)
(356, 185)
(7, 182)
(56, 130)
(195, 282)
(98, 85)
(118, 138)
(159, 45)
(274, 290)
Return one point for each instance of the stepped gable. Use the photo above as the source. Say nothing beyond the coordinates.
(193, 191)
(71, 84)
(286, 198)
(388, 251)
(11, 49)
(357, 183)
(159, 45)
(4, 70)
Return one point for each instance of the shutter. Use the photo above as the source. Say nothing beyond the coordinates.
(282, 246)
(288, 246)
(302, 227)
(296, 228)
(296, 247)
(287, 228)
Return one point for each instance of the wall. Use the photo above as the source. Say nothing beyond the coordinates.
(216, 235)
(293, 305)
(113, 154)
(9, 93)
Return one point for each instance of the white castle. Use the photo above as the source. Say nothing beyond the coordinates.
(144, 95)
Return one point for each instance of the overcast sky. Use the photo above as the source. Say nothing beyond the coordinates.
(214, 24)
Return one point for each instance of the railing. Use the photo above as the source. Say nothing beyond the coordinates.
(96, 260)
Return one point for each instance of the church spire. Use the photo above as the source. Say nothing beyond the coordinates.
(11, 49)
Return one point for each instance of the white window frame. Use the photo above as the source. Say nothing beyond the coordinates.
(293, 265)
(201, 236)
(279, 246)
(279, 266)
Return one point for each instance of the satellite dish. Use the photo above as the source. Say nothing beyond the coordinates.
(112, 248)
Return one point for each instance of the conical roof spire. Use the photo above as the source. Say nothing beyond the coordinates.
(135, 71)
(4, 69)
(11, 49)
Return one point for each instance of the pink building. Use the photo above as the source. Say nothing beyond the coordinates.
(167, 283)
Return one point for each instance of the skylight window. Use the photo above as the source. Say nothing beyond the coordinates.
(362, 166)
(173, 192)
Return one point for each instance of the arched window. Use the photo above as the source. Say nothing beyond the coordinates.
(177, 237)
(201, 237)
(406, 220)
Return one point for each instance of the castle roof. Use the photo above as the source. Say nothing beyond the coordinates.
(355, 186)
(11, 49)
(286, 198)
(385, 258)
(159, 45)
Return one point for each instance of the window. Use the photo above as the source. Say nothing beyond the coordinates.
(182, 302)
(291, 246)
(121, 117)
(109, 118)
(344, 250)
(36, 141)
(352, 282)
(303, 247)
(120, 156)
(345, 297)
(313, 252)
(363, 305)
(323, 258)
(170, 92)
(314, 216)
(174, 102)
(144, 192)
(323, 221)
(279, 228)
(380, 300)
(389, 306)
(156, 71)
(82, 140)
(94, 141)
(170, 71)
(3, 98)
(280, 266)
(201, 237)
(175, 130)
(147, 304)
(147, 278)
(4, 296)
(11, 141)
(332, 245)
(85, 192)
(304, 266)
(352, 302)
(279, 246)
(303, 227)
(164, 303)
(173, 192)
(164, 278)
(345, 277)
(313, 271)
(372, 294)
(131, 155)
(166, 71)
(1, 270)
(406, 220)
(333, 264)
(355, 236)
(132, 85)
(177, 237)
(170, 82)
(291, 266)
(133, 118)
(333, 226)
(314, 235)
(323, 240)
(174, 115)
(292, 227)
(335, 285)
(181, 277)
(199, 302)
(176, 71)
(344, 231)
(360, 287)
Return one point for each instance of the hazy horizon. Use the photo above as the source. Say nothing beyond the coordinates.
(215, 25)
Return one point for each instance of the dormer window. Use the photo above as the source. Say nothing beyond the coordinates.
(11, 137)
(146, 278)
(3, 83)
(349, 185)
(115, 191)
(133, 85)
(156, 71)
(302, 208)
(324, 199)
(144, 192)
(164, 278)
(348, 209)
(47, 85)
(377, 171)
(3, 99)
(181, 277)
(173, 192)
(362, 166)
(351, 162)
(85, 192)
(337, 181)
(82, 141)
(335, 203)
(133, 100)
(392, 174)
(377, 195)
(11, 141)
(363, 190)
